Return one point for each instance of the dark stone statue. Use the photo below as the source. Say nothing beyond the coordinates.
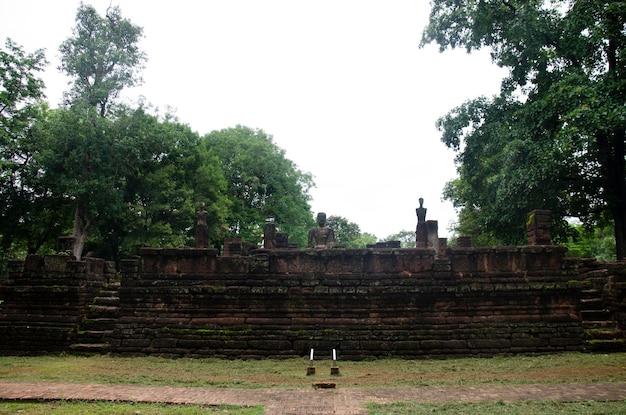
(421, 231)
(321, 237)
(202, 230)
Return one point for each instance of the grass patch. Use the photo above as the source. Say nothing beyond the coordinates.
(116, 408)
(499, 407)
(291, 373)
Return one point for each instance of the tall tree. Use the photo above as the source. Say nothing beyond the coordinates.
(27, 216)
(102, 58)
(87, 161)
(554, 138)
(262, 183)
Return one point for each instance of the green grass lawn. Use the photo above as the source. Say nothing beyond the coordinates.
(291, 373)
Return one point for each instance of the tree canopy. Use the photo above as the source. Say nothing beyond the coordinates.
(554, 137)
(262, 184)
(27, 215)
(102, 57)
(115, 177)
(348, 234)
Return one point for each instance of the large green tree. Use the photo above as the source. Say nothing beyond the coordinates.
(102, 58)
(86, 163)
(28, 217)
(262, 184)
(554, 137)
(173, 175)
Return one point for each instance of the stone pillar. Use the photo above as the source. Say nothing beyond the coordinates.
(432, 227)
(464, 242)
(269, 236)
(232, 246)
(282, 240)
(443, 245)
(538, 227)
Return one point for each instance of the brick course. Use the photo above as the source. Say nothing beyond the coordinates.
(279, 303)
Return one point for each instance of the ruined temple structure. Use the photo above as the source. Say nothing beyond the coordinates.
(279, 301)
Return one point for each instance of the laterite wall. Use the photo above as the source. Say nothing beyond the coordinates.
(388, 302)
(44, 301)
(280, 303)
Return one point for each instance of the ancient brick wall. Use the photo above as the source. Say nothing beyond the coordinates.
(387, 302)
(364, 303)
(44, 300)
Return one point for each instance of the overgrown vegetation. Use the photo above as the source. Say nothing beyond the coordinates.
(595, 242)
(554, 138)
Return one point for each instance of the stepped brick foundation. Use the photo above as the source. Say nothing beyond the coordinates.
(45, 299)
(375, 302)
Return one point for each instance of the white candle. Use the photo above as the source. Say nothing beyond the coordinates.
(334, 355)
(311, 354)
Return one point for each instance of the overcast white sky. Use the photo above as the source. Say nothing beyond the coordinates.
(341, 85)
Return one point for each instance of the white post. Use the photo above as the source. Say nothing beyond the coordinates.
(334, 370)
(311, 355)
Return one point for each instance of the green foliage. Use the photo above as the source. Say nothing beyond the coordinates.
(262, 183)
(596, 243)
(364, 239)
(170, 175)
(28, 216)
(139, 179)
(406, 238)
(102, 57)
(348, 234)
(119, 178)
(554, 138)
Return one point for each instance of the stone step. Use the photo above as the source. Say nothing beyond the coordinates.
(591, 293)
(96, 348)
(98, 333)
(613, 345)
(102, 311)
(100, 322)
(589, 302)
(107, 301)
(598, 324)
(604, 333)
(95, 336)
(595, 315)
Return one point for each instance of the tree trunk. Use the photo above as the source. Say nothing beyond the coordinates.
(616, 172)
(611, 147)
(620, 233)
(620, 182)
(81, 229)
